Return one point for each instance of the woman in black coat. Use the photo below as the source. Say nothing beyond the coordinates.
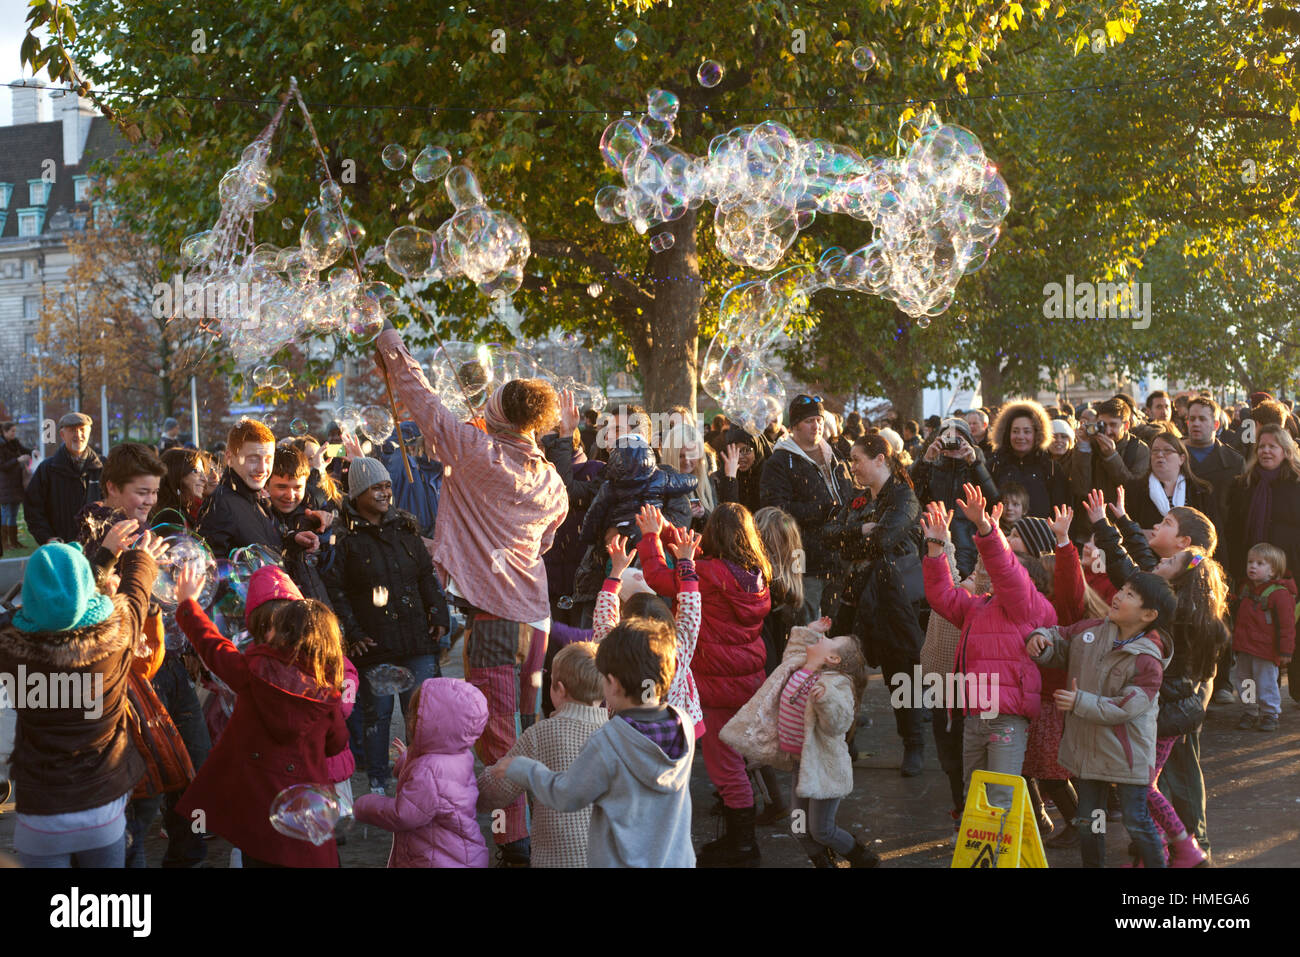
(737, 478)
(1021, 437)
(875, 535)
(388, 600)
(1171, 483)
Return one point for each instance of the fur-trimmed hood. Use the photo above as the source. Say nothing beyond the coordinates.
(74, 648)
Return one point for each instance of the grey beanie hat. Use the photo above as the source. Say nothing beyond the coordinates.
(363, 473)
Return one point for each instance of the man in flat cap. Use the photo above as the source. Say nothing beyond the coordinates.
(63, 483)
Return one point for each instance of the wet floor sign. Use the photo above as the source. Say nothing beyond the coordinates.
(992, 836)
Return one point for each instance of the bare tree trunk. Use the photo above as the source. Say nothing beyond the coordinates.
(669, 364)
(991, 379)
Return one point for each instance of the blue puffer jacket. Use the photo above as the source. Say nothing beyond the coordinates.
(632, 479)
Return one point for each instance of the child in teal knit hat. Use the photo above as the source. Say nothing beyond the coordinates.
(66, 658)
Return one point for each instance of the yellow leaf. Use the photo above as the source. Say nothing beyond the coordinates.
(1295, 114)
(961, 82)
(1241, 64)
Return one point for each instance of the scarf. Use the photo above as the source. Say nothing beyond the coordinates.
(1261, 505)
(495, 419)
(1156, 489)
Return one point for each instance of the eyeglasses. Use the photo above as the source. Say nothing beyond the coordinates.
(1162, 453)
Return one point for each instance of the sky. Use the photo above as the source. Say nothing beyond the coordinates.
(13, 21)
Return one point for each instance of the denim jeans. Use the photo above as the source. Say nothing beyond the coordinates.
(172, 683)
(378, 712)
(139, 815)
(994, 744)
(1267, 697)
(110, 855)
(1091, 822)
(9, 514)
(819, 828)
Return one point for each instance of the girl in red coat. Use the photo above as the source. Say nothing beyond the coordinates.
(288, 719)
(728, 665)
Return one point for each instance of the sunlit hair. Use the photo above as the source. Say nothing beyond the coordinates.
(128, 461)
(1201, 590)
(248, 430)
(1197, 527)
(730, 534)
(575, 668)
(1024, 409)
(853, 664)
(290, 463)
(310, 630)
(1291, 466)
(677, 442)
(779, 533)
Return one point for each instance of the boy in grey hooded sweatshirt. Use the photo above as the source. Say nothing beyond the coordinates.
(635, 771)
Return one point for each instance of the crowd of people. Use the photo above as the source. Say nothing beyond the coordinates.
(628, 589)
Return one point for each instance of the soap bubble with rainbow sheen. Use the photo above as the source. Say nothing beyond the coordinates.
(864, 59)
(394, 156)
(431, 163)
(376, 423)
(625, 40)
(306, 812)
(709, 74)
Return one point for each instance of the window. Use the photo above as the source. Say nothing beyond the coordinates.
(81, 189)
(39, 191)
(103, 213)
(29, 343)
(6, 190)
(30, 222)
(31, 307)
(29, 268)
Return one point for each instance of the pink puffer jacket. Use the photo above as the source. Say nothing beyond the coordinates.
(994, 627)
(340, 766)
(432, 816)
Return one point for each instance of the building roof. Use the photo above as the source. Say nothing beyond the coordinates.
(23, 152)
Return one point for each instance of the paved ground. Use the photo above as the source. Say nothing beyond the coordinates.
(1253, 781)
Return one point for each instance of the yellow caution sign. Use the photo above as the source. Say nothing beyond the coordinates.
(993, 836)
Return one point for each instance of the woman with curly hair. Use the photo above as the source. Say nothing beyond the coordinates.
(501, 505)
(1021, 437)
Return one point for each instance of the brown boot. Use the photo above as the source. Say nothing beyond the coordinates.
(11, 536)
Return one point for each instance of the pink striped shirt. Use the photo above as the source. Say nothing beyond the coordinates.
(794, 702)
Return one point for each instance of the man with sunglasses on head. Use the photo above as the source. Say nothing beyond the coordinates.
(803, 477)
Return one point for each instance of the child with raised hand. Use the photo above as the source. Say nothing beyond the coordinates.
(559, 839)
(798, 721)
(729, 657)
(635, 771)
(1264, 636)
(432, 813)
(1115, 668)
(287, 720)
(685, 623)
(1178, 552)
(991, 650)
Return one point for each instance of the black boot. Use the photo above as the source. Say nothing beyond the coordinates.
(822, 858)
(862, 856)
(737, 847)
(910, 729)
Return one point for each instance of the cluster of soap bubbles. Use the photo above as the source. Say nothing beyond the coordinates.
(465, 374)
(269, 296)
(308, 812)
(489, 247)
(936, 214)
(936, 211)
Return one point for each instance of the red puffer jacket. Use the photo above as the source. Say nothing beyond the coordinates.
(729, 658)
(994, 627)
(1255, 632)
(283, 728)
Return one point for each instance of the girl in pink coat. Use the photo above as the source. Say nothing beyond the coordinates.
(432, 816)
(1002, 684)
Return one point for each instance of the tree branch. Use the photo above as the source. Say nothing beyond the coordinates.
(566, 249)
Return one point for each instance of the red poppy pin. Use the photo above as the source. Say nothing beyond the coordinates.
(858, 502)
